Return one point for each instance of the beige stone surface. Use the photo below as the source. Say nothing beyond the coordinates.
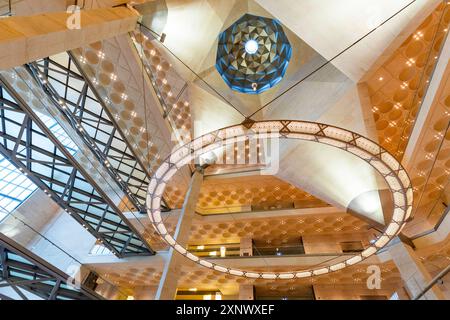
(25, 39)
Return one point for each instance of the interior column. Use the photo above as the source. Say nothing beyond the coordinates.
(413, 272)
(169, 280)
(246, 292)
(246, 247)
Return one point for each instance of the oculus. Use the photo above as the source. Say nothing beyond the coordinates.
(253, 54)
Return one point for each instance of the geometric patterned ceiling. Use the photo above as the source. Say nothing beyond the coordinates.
(397, 87)
(258, 70)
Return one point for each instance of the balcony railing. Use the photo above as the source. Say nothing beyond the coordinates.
(232, 251)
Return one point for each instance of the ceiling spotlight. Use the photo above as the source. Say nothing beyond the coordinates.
(251, 46)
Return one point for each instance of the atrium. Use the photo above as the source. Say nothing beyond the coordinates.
(224, 150)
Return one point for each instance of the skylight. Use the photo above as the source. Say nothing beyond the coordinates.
(15, 187)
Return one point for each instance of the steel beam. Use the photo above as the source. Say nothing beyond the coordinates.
(27, 142)
(75, 97)
(22, 270)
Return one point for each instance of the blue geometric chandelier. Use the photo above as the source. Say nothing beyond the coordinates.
(253, 54)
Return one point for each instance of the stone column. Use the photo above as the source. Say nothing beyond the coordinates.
(403, 294)
(414, 274)
(169, 280)
(246, 247)
(246, 292)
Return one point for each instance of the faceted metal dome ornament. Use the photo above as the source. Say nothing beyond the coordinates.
(253, 54)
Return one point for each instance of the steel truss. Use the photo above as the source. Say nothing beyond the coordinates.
(24, 272)
(83, 108)
(29, 145)
(75, 96)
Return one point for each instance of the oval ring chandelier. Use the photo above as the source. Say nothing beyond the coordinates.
(384, 163)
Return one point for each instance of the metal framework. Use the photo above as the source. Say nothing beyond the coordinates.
(75, 98)
(15, 188)
(28, 144)
(24, 272)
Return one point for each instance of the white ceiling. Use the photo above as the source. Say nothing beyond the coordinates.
(331, 26)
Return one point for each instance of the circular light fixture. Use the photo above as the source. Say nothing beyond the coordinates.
(382, 161)
(251, 46)
(253, 50)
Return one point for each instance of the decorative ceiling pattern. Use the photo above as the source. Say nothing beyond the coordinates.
(265, 231)
(354, 275)
(437, 260)
(193, 276)
(259, 192)
(276, 231)
(253, 54)
(133, 277)
(108, 69)
(175, 192)
(397, 88)
(101, 64)
(430, 165)
(166, 83)
(171, 92)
